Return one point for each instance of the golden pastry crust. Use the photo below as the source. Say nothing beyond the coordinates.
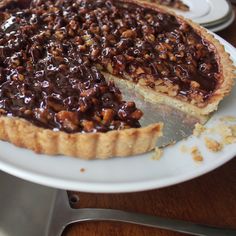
(121, 143)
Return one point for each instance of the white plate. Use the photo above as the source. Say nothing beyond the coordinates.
(197, 9)
(206, 11)
(119, 174)
(224, 25)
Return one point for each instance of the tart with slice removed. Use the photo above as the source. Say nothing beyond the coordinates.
(53, 59)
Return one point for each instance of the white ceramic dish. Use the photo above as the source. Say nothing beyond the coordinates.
(197, 9)
(206, 11)
(223, 25)
(120, 174)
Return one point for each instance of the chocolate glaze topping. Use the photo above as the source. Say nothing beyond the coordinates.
(49, 51)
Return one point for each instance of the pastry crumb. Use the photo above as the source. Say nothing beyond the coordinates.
(198, 158)
(229, 140)
(231, 137)
(196, 154)
(228, 118)
(222, 129)
(233, 129)
(82, 170)
(198, 130)
(157, 154)
(213, 145)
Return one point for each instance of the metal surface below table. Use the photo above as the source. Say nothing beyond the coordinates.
(24, 207)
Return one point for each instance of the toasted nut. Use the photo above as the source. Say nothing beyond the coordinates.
(150, 38)
(88, 125)
(163, 55)
(82, 48)
(68, 119)
(139, 71)
(130, 104)
(42, 115)
(21, 77)
(88, 93)
(15, 61)
(73, 24)
(108, 115)
(129, 34)
(86, 37)
(79, 40)
(60, 34)
(105, 28)
(95, 52)
(136, 115)
(172, 57)
(89, 42)
(28, 112)
(194, 84)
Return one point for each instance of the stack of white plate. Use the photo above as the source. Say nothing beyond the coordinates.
(215, 15)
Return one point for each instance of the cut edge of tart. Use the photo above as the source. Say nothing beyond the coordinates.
(224, 86)
(120, 143)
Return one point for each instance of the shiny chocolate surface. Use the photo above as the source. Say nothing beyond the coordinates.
(52, 52)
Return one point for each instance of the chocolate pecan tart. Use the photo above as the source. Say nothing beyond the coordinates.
(61, 62)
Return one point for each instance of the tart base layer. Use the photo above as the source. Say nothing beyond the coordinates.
(121, 143)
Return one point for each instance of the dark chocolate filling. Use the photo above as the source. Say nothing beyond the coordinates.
(48, 54)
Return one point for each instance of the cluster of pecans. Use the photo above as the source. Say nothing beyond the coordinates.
(45, 79)
(139, 44)
(49, 51)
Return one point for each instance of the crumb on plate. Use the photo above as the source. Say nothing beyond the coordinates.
(229, 140)
(228, 118)
(233, 129)
(196, 154)
(224, 130)
(213, 145)
(198, 130)
(157, 154)
(82, 170)
(221, 129)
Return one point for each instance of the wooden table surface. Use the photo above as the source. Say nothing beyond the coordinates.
(210, 199)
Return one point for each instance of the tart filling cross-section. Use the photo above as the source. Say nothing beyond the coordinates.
(60, 62)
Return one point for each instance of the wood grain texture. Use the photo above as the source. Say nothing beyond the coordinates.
(210, 199)
(229, 34)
